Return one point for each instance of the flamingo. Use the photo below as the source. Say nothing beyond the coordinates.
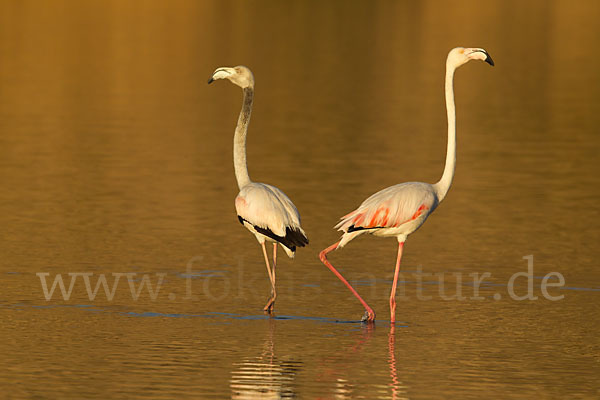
(400, 210)
(263, 209)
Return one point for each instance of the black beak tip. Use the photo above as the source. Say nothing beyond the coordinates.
(489, 60)
(211, 80)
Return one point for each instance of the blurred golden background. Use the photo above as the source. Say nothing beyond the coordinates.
(115, 157)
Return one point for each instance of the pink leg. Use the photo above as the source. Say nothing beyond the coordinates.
(271, 302)
(393, 293)
(274, 265)
(269, 307)
(323, 257)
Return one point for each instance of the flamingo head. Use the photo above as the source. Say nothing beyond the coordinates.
(240, 75)
(462, 55)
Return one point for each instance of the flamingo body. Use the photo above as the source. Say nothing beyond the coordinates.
(268, 213)
(396, 211)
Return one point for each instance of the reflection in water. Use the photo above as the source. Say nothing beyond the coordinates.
(395, 385)
(265, 376)
(338, 363)
(338, 367)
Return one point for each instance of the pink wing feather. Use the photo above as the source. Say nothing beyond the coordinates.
(391, 207)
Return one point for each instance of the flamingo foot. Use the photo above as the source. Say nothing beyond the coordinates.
(270, 306)
(368, 317)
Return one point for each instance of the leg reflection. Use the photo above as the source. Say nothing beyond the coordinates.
(265, 376)
(348, 374)
(395, 383)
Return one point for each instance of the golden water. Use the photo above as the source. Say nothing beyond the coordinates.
(115, 158)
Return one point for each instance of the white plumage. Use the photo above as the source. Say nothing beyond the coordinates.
(394, 211)
(265, 206)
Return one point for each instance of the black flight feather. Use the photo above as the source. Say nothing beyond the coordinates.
(293, 237)
(353, 228)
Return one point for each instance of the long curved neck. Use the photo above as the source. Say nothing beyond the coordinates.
(444, 183)
(239, 140)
